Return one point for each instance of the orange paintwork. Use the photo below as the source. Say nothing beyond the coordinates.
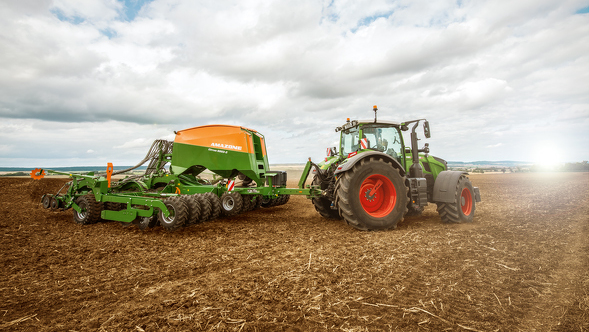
(109, 169)
(222, 137)
(263, 146)
(37, 174)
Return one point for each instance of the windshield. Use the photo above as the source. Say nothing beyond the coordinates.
(350, 140)
(383, 139)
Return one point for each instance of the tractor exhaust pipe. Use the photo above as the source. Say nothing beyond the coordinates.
(415, 171)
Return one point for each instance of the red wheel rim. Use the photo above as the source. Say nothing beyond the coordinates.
(378, 196)
(466, 201)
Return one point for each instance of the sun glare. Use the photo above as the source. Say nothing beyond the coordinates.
(547, 156)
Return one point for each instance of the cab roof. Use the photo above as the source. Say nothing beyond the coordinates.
(394, 123)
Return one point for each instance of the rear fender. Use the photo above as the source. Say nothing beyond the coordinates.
(350, 162)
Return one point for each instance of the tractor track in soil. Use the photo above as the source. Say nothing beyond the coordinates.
(522, 265)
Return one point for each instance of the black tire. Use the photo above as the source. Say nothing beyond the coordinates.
(206, 208)
(147, 222)
(268, 202)
(89, 210)
(249, 202)
(282, 199)
(257, 202)
(464, 205)
(231, 203)
(113, 206)
(178, 214)
(46, 201)
(193, 205)
(381, 210)
(413, 212)
(215, 205)
(323, 205)
(54, 203)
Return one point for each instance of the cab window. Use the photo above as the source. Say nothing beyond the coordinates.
(350, 140)
(384, 139)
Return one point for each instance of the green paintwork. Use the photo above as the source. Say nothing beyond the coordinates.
(435, 167)
(404, 159)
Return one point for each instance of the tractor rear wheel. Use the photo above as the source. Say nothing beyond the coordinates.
(89, 210)
(231, 203)
(178, 214)
(372, 195)
(464, 205)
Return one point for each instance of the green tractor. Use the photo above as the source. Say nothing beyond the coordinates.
(375, 180)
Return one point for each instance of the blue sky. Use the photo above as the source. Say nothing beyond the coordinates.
(86, 83)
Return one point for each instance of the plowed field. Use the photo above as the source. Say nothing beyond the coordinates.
(522, 265)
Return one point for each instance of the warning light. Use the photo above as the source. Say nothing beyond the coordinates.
(374, 108)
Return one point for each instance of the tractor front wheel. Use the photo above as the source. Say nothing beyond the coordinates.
(178, 214)
(464, 205)
(372, 195)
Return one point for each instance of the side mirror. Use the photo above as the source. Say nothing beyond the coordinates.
(426, 131)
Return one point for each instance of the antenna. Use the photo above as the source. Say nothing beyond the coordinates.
(375, 109)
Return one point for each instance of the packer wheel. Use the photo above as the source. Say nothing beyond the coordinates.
(178, 214)
(89, 210)
(231, 203)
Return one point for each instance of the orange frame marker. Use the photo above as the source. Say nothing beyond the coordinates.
(109, 169)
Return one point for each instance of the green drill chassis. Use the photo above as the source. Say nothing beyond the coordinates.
(177, 195)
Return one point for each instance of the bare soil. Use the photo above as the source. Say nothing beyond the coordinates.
(522, 265)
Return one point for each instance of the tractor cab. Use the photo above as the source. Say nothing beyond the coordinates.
(383, 136)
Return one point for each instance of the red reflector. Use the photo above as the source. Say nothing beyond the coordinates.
(352, 154)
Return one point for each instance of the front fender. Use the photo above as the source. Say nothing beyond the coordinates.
(350, 162)
(445, 186)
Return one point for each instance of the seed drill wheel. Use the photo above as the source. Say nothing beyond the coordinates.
(147, 222)
(231, 203)
(193, 205)
(89, 210)
(248, 203)
(323, 205)
(46, 201)
(216, 208)
(257, 202)
(54, 203)
(464, 205)
(178, 214)
(372, 195)
(206, 208)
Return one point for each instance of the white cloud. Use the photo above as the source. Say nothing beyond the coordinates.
(80, 77)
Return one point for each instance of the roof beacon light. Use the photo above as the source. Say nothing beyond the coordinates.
(375, 109)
